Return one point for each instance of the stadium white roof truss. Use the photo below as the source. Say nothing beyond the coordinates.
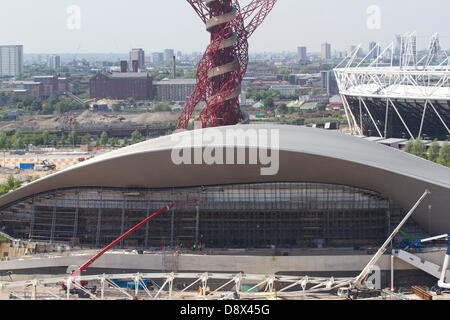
(420, 81)
(144, 286)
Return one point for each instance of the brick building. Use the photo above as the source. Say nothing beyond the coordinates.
(41, 87)
(122, 86)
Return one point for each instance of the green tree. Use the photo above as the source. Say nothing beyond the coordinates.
(36, 105)
(62, 141)
(283, 108)
(38, 139)
(3, 140)
(136, 137)
(419, 149)
(131, 101)
(433, 151)
(444, 155)
(54, 141)
(86, 139)
(409, 146)
(190, 75)
(46, 138)
(125, 142)
(72, 138)
(103, 141)
(268, 103)
(113, 142)
(52, 100)
(66, 106)
(18, 140)
(47, 109)
(162, 107)
(10, 184)
(117, 108)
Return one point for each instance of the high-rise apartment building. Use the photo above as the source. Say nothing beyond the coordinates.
(168, 55)
(139, 56)
(329, 82)
(157, 58)
(11, 60)
(302, 53)
(326, 51)
(54, 62)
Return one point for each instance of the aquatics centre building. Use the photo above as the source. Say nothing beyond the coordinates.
(327, 188)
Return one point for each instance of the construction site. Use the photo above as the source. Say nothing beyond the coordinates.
(236, 239)
(83, 122)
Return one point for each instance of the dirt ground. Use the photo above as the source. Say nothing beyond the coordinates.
(23, 176)
(88, 119)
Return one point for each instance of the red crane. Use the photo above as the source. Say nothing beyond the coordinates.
(223, 65)
(80, 269)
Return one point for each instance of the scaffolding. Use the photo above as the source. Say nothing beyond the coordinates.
(284, 215)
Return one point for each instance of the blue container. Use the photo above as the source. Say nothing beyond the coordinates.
(27, 166)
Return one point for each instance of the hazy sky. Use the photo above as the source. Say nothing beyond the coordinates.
(118, 25)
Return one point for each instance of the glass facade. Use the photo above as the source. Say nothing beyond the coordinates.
(289, 215)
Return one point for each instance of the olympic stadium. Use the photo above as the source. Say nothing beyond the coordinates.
(409, 100)
(330, 188)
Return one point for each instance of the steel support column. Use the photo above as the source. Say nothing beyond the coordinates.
(172, 222)
(439, 116)
(368, 111)
(401, 118)
(52, 232)
(122, 222)
(99, 224)
(386, 120)
(147, 227)
(75, 224)
(33, 220)
(423, 119)
(197, 217)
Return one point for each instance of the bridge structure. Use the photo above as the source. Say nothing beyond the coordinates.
(224, 63)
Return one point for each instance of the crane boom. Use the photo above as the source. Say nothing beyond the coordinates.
(78, 271)
(358, 280)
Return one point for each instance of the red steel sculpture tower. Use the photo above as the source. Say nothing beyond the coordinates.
(223, 65)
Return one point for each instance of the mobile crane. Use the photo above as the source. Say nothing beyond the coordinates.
(441, 273)
(358, 284)
(77, 271)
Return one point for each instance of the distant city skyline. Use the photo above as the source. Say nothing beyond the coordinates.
(117, 26)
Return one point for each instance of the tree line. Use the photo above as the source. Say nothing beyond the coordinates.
(21, 139)
(38, 106)
(435, 153)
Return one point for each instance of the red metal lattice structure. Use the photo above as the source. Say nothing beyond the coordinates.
(224, 63)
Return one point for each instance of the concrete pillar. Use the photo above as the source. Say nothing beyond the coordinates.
(392, 273)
